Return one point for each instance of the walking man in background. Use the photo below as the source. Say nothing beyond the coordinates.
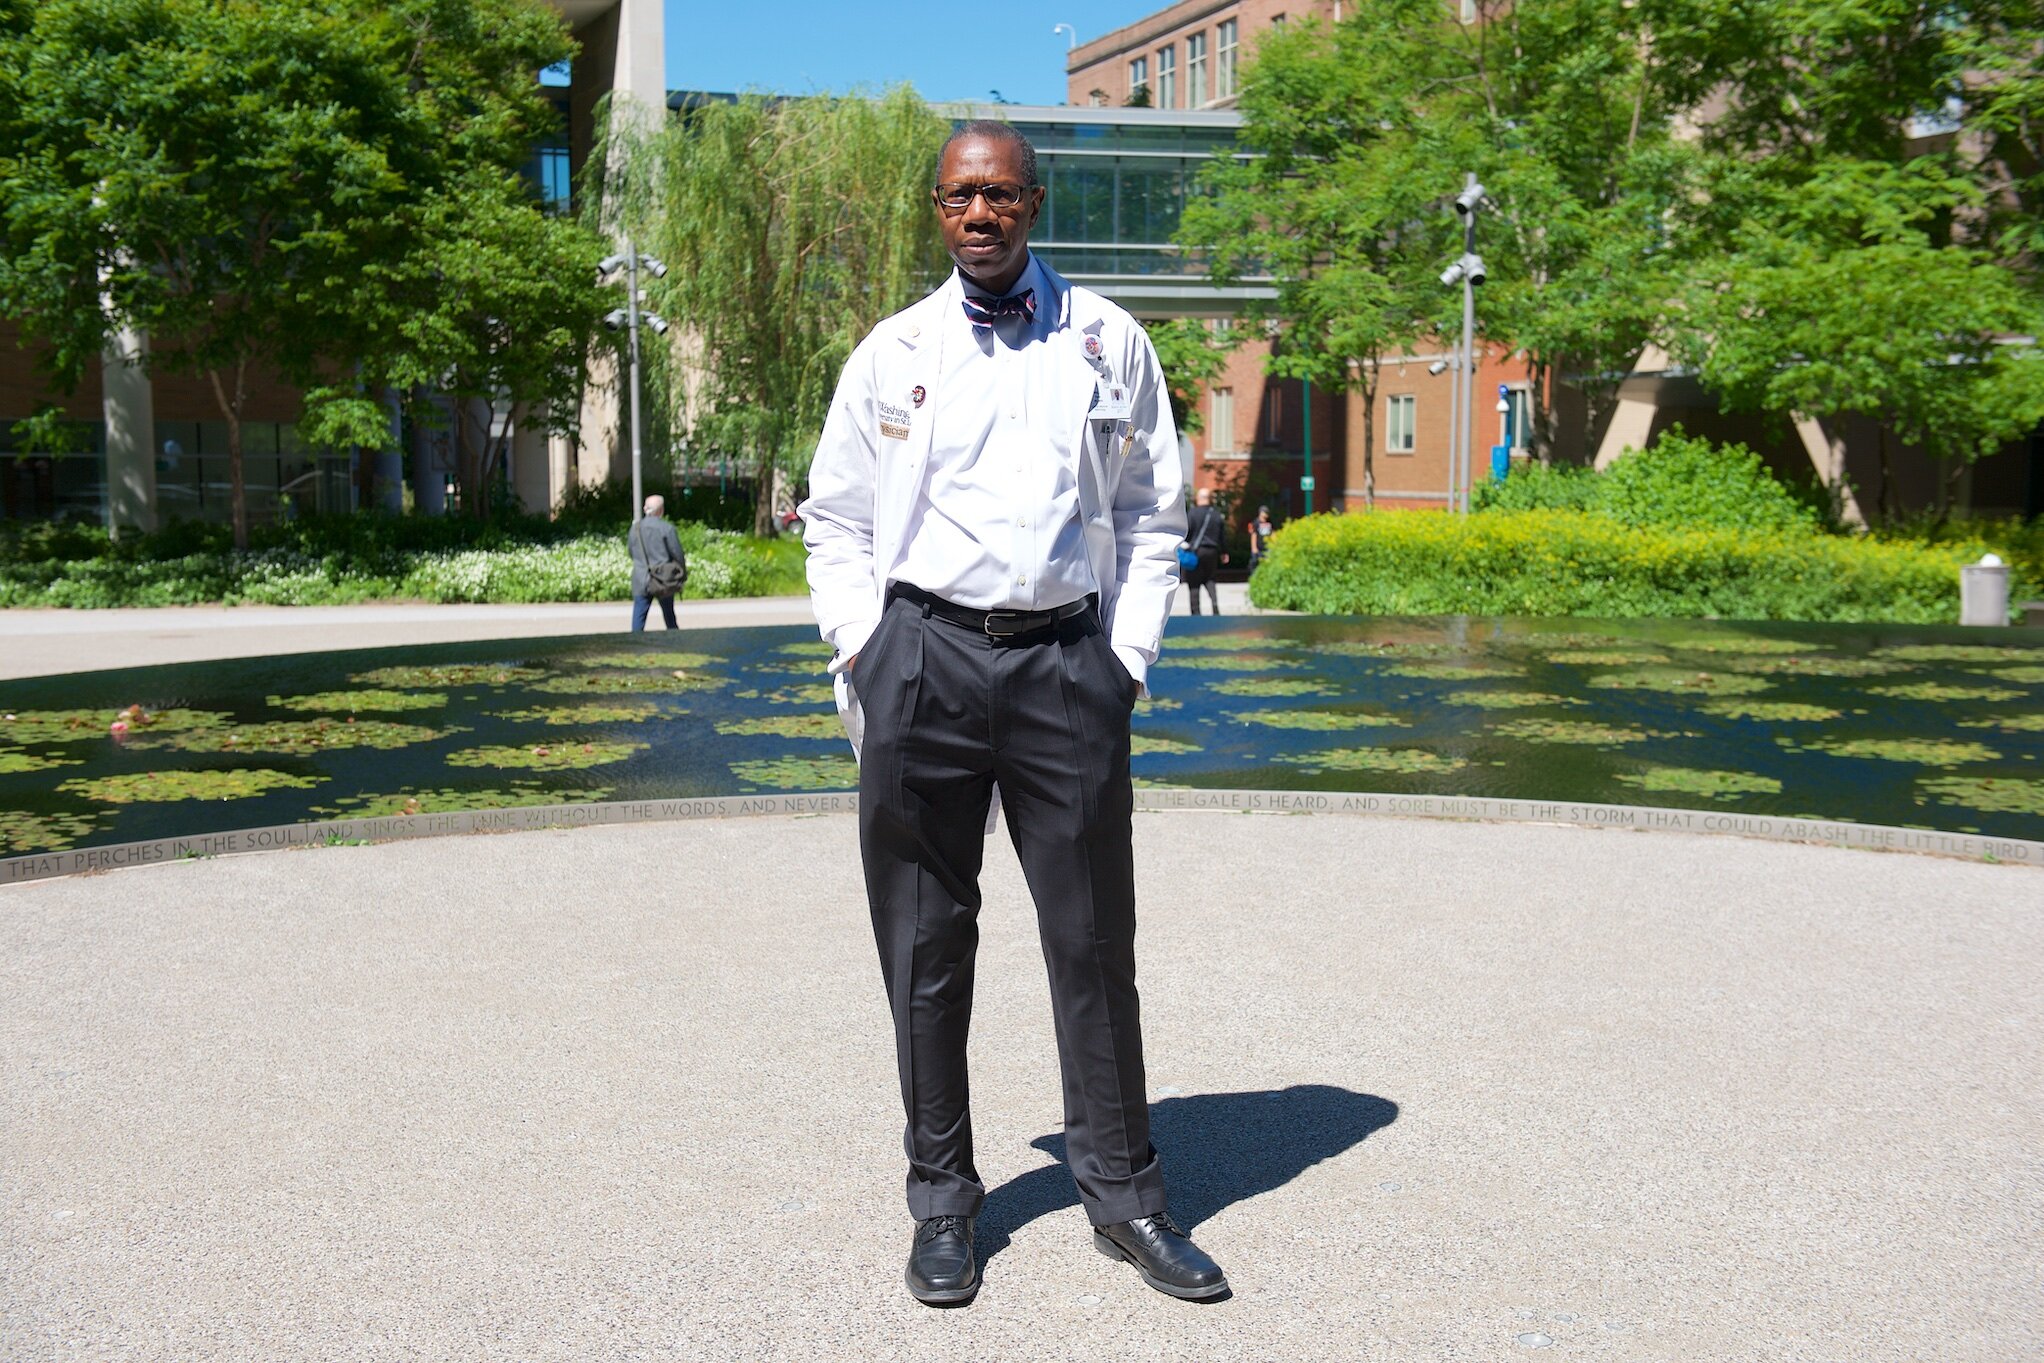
(994, 514)
(1204, 529)
(659, 568)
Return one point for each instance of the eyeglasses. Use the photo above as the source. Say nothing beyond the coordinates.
(998, 196)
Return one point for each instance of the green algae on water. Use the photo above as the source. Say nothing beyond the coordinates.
(1958, 653)
(808, 648)
(1149, 745)
(785, 726)
(163, 787)
(1605, 657)
(1403, 761)
(2026, 722)
(1753, 646)
(1693, 781)
(558, 756)
(810, 693)
(1989, 794)
(1929, 752)
(1227, 662)
(518, 795)
(835, 772)
(1578, 732)
(1939, 691)
(1319, 721)
(1673, 681)
(1358, 648)
(1507, 700)
(1271, 688)
(414, 678)
(1777, 711)
(1239, 639)
(22, 831)
(1427, 671)
(368, 698)
(1153, 704)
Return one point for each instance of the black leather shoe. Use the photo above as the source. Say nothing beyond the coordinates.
(941, 1270)
(1167, 1260)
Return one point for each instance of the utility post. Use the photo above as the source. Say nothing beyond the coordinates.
(1306, 479)
(1468, 272)
(628, 319)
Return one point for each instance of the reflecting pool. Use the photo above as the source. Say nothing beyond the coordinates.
(1937, 728)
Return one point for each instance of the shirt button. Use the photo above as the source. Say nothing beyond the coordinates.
(1022, 581)
(1022, 521)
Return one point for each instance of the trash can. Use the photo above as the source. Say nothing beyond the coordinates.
(1984, 592)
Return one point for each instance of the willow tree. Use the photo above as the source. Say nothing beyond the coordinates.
(789, 228)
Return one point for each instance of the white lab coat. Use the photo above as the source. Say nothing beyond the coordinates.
(867, 491)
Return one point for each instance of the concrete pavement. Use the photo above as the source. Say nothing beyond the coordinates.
(46, 643)
(1429, 1090)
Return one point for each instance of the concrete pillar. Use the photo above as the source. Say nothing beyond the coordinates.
(1633, 422)
(532, 465)
(1827, 457)
(128, 406)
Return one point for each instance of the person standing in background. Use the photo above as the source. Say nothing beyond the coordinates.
(658, 565)
(1204, 532)
(1260, 531)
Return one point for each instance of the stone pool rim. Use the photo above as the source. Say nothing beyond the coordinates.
(1469, 808)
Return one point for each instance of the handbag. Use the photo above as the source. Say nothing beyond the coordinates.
(665, 578)
(1188, 560)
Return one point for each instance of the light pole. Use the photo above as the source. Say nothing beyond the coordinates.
(1468, 271)
(628, 319)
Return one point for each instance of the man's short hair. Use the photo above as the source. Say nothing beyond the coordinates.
(994, 131)
(655, 504)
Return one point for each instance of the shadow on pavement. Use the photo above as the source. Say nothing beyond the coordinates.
(1218, 1149)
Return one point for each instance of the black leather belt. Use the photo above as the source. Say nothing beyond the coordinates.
(995, 624)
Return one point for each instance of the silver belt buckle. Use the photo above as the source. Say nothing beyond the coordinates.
(993, 633)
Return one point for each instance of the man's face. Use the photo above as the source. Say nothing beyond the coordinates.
(989, 245)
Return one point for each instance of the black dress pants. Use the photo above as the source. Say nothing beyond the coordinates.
(950, 712)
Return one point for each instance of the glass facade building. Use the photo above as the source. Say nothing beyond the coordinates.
(1118, 182)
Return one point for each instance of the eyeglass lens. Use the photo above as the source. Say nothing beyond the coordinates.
(996, 195)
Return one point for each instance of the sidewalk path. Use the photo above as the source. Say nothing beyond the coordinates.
(46, 643)
(1429, 1091)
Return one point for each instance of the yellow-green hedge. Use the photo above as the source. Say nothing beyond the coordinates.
(1572, 563)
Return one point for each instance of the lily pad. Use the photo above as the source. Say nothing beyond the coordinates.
(627, 683)
(1815, 667)
(1507, 700)
(369, 698)
(162, 787)
(1571, 731)
(1693, 781)
(545, 756)
(70, 726)
(411, 678)
(1778, 711)
(1321, 721)
(666, 661)
(1271, 688)
(836, 772)
(1362, 648)
(1605, 657)
(1942, 692)
(22, 832)
(787, 726)
(589, 713)
(1451, 671)
(1406, 761)
(797, 667)
(811, 693)
(808, 648)
(518, 795)
(2028, 722)
(1957, 653)
(1154, 704)
(295, 736)
(16, 760)
(1227, 662)
(1989, 794)
(1743, 646)
(1238, 639)
(2029, 676)
(1677, 682)
(1147, 745)
(1930, 752)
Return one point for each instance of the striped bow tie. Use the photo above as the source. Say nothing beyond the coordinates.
(982, 312)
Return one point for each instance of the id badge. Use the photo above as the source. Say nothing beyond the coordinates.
(1111, 401)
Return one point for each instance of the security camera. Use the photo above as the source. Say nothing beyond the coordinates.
(652, 265)
(1472, 266)
(1452, 275)
(1469, 200)
(1438, 367)
(657, 322)
(615, 319)
(610, 265)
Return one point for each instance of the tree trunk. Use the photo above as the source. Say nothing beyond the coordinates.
(1884, 504)
(763, 504)
(1370, 435)
(237, 484)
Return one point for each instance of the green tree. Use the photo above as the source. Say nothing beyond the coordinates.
(1361, 133)
(790, 229)
(224, 175)
(1191, 357)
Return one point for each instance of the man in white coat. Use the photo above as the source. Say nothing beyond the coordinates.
(993, 522)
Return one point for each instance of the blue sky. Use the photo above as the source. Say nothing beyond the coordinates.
(947, 51)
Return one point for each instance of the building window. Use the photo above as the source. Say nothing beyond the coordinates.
(1098, 99)
(1167, 78)
(1398, 438)
(1277, 21)
(1468, 11)
(1195, 70)
(1221, 421)
(1273, 415)
(1224, 60)
(1521, 417)
(1138, 76)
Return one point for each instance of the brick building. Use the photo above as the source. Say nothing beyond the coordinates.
(1186, 56)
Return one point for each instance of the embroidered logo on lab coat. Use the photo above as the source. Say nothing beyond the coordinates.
(893, 421)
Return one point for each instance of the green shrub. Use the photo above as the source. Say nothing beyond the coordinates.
(1573, 563)
(1537, 487)
(1681, 480)
(2020, 543)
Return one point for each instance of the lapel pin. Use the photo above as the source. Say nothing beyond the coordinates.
(917, 394)
(1092, 347)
